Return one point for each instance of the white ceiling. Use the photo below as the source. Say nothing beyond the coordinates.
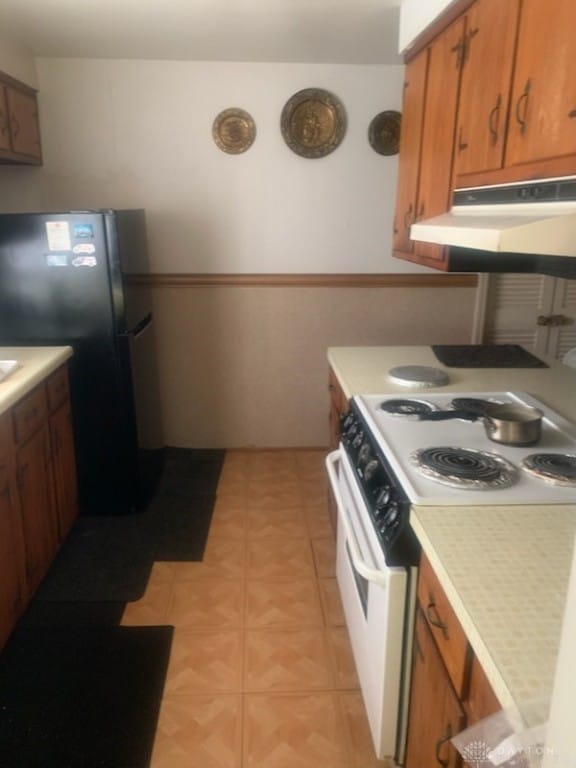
(314, 31)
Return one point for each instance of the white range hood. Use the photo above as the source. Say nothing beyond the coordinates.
(536, 218)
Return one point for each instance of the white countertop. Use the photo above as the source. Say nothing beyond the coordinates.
(36, 363)
(505, 569)
(363, 371)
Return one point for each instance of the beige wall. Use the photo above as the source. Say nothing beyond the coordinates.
(246, 366)
(240, 366)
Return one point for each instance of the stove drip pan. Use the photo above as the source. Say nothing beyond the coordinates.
(464, 468)
(554, 468)
(405, 407)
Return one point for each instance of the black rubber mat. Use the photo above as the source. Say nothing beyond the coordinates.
(109, 558)
(82, 698)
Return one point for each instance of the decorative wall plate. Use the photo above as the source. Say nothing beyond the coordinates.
(384, 132)
(234, 131)
(313, 122)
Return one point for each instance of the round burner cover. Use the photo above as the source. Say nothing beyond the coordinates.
(418, 376)
(554, 468)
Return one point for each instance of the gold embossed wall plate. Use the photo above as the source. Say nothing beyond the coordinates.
(384, 132)
(313, 122)
(234, 131)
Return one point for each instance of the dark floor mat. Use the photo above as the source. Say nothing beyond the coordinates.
(103, 558)
(109, 558)
(44, 613)
(181, 527)
(82, 698)
(486, 356)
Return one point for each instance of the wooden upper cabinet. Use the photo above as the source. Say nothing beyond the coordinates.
(426, 147)
(491, 28)
(4, 120)
(435, 183)
(410, 144)
(19, 126)
(543, 105)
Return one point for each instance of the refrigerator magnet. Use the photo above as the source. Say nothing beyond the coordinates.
(84, 261)
(58, 233)
(56, 260)
(84, 248)
(83, 231)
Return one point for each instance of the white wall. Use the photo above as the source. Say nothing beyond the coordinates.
(138, 133)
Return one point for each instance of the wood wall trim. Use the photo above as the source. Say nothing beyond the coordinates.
(193, 280)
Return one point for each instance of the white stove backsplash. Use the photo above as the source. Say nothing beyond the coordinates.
(400, 436)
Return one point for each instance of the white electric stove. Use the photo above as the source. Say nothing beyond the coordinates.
(499, 474)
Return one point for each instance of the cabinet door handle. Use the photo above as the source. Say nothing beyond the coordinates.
(572, 113)
(522, 107)
(15, 126)
(409, 216)
(440, 743)
(434, 618)
(458, 49)
(462, 145)
(494, 120)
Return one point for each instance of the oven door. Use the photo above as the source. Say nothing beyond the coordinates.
(376, 608)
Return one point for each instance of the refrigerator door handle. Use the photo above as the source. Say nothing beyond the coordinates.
(140, 327)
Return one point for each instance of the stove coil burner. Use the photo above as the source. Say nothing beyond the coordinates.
(554, 468)
(406, 407)
(472, 404)
(464, 468)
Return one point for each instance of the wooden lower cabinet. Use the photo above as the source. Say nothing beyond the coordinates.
(62, 451)
(12, 557)
(338, 407)
(37, 505)
(449, 689)
(37, 493)
(435, 711)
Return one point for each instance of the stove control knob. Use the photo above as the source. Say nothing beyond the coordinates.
(390, 521)
(383, 496)
(371, 470)
(358, 439)
(364, 454)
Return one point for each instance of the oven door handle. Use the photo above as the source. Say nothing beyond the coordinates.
(370, 574)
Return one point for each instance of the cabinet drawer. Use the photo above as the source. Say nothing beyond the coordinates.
(29, 414)
(57, 388)
(445, 627)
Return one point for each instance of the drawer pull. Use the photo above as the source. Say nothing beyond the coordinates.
(434, 618)
(443, 761)
(572, 113)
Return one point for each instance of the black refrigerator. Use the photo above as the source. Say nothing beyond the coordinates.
(76, 278)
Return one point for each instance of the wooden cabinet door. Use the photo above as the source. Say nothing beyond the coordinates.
(4, 120)
(64, 467)
(491, 28)
(435, 183)
(543, 107)
(12, 572)
(435, 712)
(37, 505)
(24, 127)
(410, 144)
